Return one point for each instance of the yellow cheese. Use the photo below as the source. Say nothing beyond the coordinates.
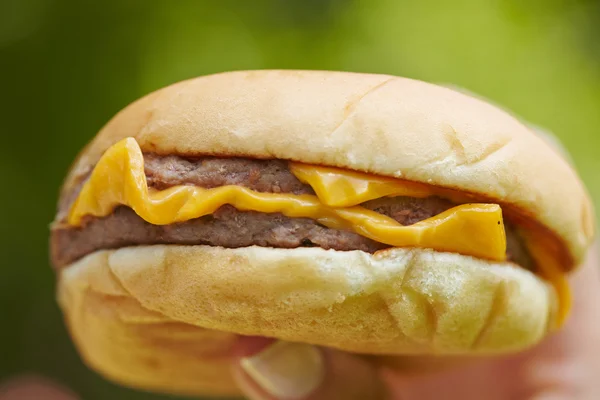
(545, 254)
(340, 188)
(470, 229)
(119, 179)
(337, 188)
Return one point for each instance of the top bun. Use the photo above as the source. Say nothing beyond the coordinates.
(373, 123)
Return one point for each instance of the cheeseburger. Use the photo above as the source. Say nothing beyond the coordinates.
(369, 213)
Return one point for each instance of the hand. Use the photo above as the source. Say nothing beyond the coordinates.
(34, 388)
(564, 366)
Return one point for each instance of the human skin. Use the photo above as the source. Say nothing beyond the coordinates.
(32, 387)
(566, 365)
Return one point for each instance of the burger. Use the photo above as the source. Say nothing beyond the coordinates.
(369, 213)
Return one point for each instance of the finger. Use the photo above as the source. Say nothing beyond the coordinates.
(34, 388)
(275, 370)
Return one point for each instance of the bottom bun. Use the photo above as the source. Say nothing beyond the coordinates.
(163, 318)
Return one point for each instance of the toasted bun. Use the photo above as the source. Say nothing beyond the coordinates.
(155, 317)
(374, 123)
(164, 317)
(132, 345)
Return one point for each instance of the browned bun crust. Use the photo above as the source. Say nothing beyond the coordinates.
(135, 346)
(161, 317)
(375, 123)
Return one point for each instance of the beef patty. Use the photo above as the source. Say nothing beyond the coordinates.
(230, 228)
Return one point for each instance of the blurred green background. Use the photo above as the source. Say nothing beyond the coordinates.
(67, 66)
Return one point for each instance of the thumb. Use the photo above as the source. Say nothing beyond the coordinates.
(265, 369)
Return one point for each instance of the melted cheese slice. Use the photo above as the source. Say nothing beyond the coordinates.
(470, 229)
(119, 179)
(545, 254)
(338, 188)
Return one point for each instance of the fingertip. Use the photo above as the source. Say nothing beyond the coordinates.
(277, 370)
(34, 388)
(246, 346)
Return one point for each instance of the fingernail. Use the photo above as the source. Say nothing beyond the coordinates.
(286, 370)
